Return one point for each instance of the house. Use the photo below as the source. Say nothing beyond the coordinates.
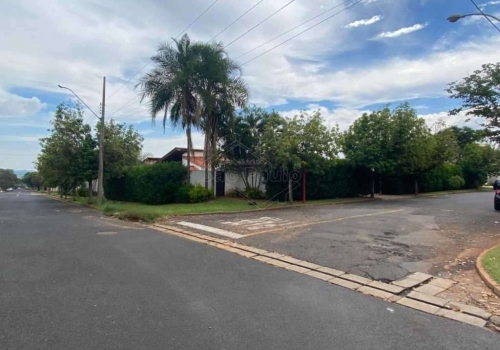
(151, 160)
(225, 183)
(179, 154)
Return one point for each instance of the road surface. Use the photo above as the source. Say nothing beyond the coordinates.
(70, 279)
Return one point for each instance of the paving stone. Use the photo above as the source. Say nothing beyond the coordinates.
(244, 253)
(419, 276)
(298, 269)
(357, 279)
(375, 292)
(331, 271)
(273, 255)
(418, 305)
(277, 263)
(429, 299)
(394, 298)
(429, 289)
(406, 283)
(442, 283)
(308, 265)
(470, 310)
(321, 276)
(247, 248)
(458, 316)
(289, 259)
(261, 258)
(386, 287)
(345, 283)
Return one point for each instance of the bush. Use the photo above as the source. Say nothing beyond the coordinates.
(254, 193)
(199, 194)
(182, 194)
(456, 182)
(149, 184)
(82, 192)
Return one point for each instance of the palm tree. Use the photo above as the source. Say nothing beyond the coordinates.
(221, 89)
(174, 83)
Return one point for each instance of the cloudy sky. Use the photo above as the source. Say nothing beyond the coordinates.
(366, 55)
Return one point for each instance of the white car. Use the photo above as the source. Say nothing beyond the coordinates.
(10, 189)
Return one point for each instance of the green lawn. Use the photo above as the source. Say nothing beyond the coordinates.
(144, 212)
(491, 263)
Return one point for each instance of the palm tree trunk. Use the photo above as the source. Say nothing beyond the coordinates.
(188, 133)
(206, 157)
(212, 163)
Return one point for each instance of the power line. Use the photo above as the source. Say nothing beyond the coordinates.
(305, 30)
(149, 61)
(292, 29)
(126, 105)
(236, 20)
(258, 24)
(489, 20)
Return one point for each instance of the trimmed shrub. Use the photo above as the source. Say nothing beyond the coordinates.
(149, 184)
(182, 193)
(456, 182)
(199, 194)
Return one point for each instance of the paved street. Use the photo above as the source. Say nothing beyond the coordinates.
(383, 240)
(70, 279)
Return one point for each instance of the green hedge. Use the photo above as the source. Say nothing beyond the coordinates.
(148, 184)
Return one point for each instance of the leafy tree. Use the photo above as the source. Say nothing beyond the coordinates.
(464, 136)
(480, 97)
(61, 160)
(122, 148)
(412, 143)
(33, 179)
(7, 178)
(240, 137)
(297, 145)
(173, 82)
(368, 143)
(447, 147)
(477, 162)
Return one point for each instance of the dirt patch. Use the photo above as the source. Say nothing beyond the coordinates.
(471, 290)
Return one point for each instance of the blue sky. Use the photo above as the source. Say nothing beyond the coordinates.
(373, 53)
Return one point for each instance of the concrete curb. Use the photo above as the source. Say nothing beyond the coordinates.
(492, 284)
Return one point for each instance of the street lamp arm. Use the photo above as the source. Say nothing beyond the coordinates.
(78, 97)
(481, 14)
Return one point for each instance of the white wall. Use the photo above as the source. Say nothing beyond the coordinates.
(233, 181)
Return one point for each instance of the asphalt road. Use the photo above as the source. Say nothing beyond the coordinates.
(70, 279)
(382, 239)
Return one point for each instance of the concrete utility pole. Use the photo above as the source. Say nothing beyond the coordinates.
(100, 180)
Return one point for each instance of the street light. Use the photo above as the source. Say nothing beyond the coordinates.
(455, 17)
(100, 176)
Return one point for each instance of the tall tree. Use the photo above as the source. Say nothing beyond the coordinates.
(60, 161)
(7, 178)
(221, 90)
(478, 162)
(33, 179)
(479, 94)
(173, 83)
(122, 148)
(297, 145)
(368, 143)
(412, 142)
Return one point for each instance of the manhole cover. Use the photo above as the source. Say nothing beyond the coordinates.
(106, 233)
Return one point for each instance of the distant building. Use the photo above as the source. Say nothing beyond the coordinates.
(179, 154)
(151, 160)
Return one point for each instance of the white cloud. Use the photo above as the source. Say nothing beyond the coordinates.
(402, 31)
(17, 106)
(364, 22)
(489, 3)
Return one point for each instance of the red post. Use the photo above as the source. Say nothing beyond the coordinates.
(304, 187)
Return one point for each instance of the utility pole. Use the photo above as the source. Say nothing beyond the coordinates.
(100, 180)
